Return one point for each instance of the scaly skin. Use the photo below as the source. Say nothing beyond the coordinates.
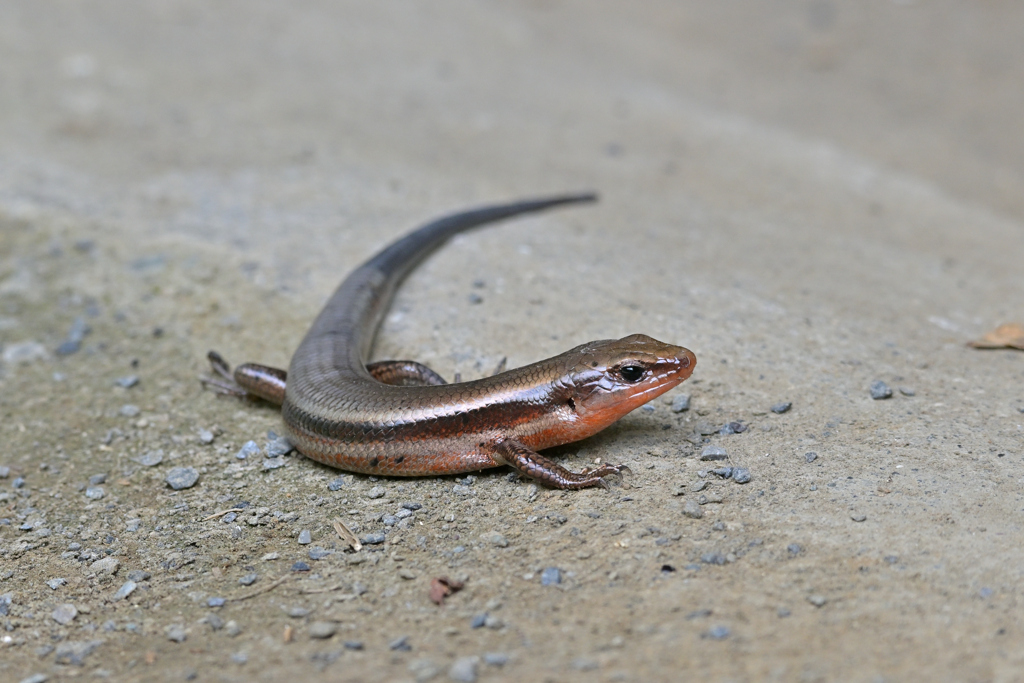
(399, 418)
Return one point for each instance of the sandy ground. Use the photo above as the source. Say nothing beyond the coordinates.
(810, 195)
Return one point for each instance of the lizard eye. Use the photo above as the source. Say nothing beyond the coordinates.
(631, 373)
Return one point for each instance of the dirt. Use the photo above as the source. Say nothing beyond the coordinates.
(813, 198)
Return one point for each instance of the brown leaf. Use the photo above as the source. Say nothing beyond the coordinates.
(441, 587)
(1008, 336)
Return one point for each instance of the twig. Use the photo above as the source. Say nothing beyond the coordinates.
(215, 515)
(266, 589)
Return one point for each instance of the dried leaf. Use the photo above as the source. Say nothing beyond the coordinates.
(441, 587)
(346, 534)
(1008, 336)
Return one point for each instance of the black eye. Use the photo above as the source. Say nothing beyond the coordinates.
(631, 373)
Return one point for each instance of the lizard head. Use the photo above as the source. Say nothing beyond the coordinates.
(612, 377)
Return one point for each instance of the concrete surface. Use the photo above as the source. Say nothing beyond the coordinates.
(813, 196)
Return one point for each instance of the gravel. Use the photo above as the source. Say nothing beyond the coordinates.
(717, 633)
(692, 510)
(550, 576)
(129, 410)
(150, 458)
(680, 403)
(464, 669)
(880, 390)
(817, 600)
(810, 457)
(321, 630)
(713, 453)
(858, 517)
(248, 449)
(126, 589)
(127, 382)
(64, 614)
(741, 475)
(305, 537)
(781, 408)
(182, 478)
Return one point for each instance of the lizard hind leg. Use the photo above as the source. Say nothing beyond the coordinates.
(547, 472)
(249, 380)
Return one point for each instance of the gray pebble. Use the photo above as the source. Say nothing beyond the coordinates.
(713, 453)
(698, 486)
(301, 566)
(229, 518)
(319, 553)
(733, 428)
(18, 482)
(215, 622)
(278, 447)
(248, 579)
(150, 458)
(133, 525)
(373, 539)
(5, 471)
(464, 669)
(794, 548)
(741, 475)
(64, 614)
(94, 492)
(376, 492)
(129, 410)
(216, 602)
(692, 509)
(389, 520)
(336, 484)
(781, 408)
(248, 449)
(232, 628)
(713, 558)
(680, 403)
(908, 391)
(810, 457)
(206, 436)
(550, 576)
(478, 620)
(783, 612)
(880, 390)
(273, 463)
(297, 612)
(127, 382)
(182, 478)
(353, 644)
(139, 575)
(817, 600)
(176, 633)
(717, 633)
(498, 659)
(400, 644)
(97, 479)
(24, 353)
(723, 472)
(305, 537)
(74, 652)
(36, 678)
(858, 517)
(321, 630)
(239, 658)
(126, 589)
(54, 584)
(413, 507)
(106, 566)
(497, 540)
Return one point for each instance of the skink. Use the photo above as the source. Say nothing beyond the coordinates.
(400, 418)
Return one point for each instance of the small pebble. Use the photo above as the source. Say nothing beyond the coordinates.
(127, 382)
(301, 566)
(278, 447)
(97, 479)
(858, 517)
(126, 589)
(698, 486)
(551, 576)
(733, 428)
(321, 553)
(150, 458)
(129, 410)
(464, 669)
(248, 449)
(215, 622)
(139, 575)
(498, 659)
(36, 678)
(497, 540)
(239, 657)
(413, 507)
(783, 612)
(353, 644)
(5, 471)
(795, 548)
(182, 478)
(232, 628)
(64, 614)
(713, 453)
(908, 391)
(94, 492)
(176, 633)
(273, 463)
(248, 579)
(400, 644)
(817, 600)
(376, 492)
(713, 558)
(692, 509)
(106, 566)
(780, 408)
(18, 483)
(680, 403)
(478, 621)
(24, 353)
(216, 602)
(321, 630)
(741, 475)
(723, 472)
(374, 539)
(880, 390)
(336, 484)
(717, 633)
(205, 436)
(305, 537)
(810, 457)
(54, 584)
